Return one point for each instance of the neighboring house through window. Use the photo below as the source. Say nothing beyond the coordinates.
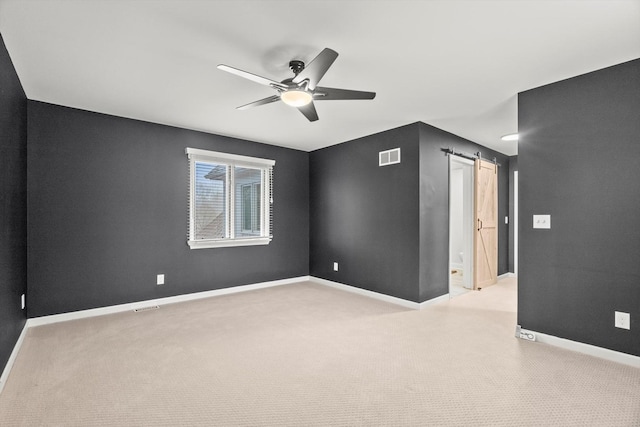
(230, 199)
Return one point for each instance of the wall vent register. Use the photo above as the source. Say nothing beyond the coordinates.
(389, 157)
(151, 307)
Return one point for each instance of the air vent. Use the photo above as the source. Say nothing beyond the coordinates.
(389, 157)
(151, 307)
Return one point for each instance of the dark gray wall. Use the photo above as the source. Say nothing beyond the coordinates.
(366, 217)
(108, 211)
(513, 167)
(579, 161)
(388, 227)
(13, 202)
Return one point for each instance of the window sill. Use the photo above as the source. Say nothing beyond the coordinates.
(205, 244)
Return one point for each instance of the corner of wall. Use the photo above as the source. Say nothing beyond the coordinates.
(13, 197)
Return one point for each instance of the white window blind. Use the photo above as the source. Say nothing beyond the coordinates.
(230, 199)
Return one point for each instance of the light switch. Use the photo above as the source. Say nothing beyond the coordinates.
(542, 221)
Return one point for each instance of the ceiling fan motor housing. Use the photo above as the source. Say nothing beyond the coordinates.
(296, 66)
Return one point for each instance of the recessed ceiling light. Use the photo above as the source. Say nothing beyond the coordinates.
(510, 137)
(296, 98)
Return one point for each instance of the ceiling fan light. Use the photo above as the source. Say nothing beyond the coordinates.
(296, 98)
(510, 137)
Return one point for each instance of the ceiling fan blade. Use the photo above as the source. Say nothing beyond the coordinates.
(309, 111)
(253, 77)
(264, 101)
(314, 71)
(329, 93)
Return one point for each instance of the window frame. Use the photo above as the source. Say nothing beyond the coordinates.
(231, 161)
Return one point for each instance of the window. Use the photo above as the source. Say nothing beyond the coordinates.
(230, 199)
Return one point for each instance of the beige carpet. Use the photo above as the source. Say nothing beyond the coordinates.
(309, 355)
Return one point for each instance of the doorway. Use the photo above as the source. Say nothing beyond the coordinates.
(461, 209)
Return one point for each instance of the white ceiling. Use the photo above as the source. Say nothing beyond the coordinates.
(457, 65)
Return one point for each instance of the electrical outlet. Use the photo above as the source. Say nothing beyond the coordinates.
(623, 320)
(526, 335)
(335, 266)
(160, 279)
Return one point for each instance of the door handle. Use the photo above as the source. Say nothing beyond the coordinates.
(479, 224)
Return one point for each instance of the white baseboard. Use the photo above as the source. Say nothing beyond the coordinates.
(432, 301)
(12, 358)
(505, 275)
(591, 350)
(63, 317)
(101, 311)
(379, 296)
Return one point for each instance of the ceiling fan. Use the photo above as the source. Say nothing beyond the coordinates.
(301, 90)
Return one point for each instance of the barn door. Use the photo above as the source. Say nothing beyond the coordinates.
(485, 260)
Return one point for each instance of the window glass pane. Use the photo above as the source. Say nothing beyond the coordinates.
(247, 221)
(257, 197)
(210, 199)
(246, 208)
